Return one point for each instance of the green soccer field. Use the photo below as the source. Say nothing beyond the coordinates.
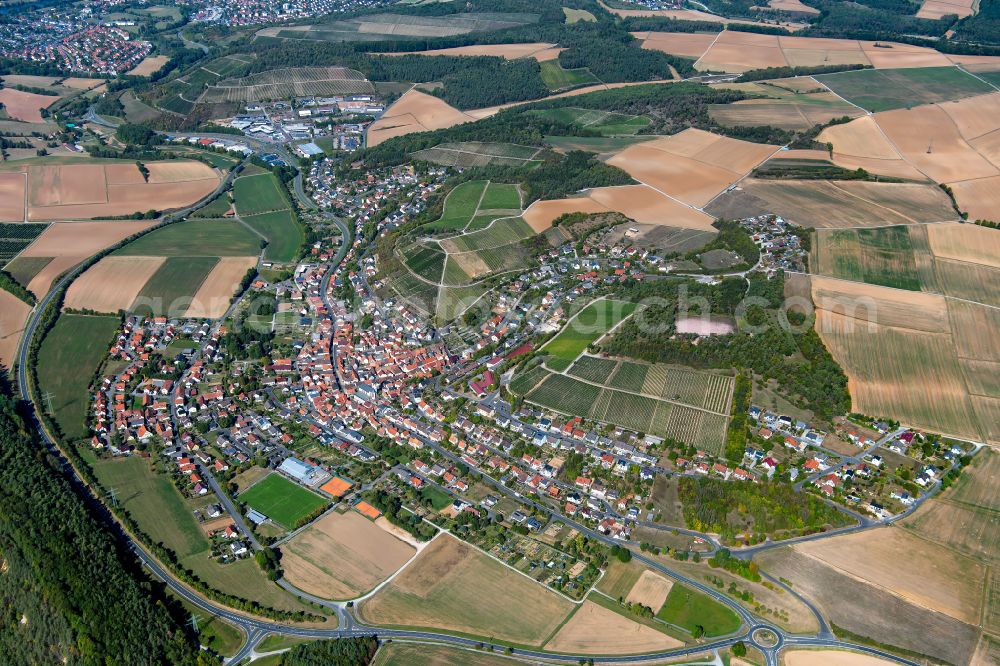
(282, 500)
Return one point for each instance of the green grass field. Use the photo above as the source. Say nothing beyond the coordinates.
(880, 255)
(282, 500)
(67, 361)
(196, 238)
(886, 89)
(284, 234)
(259, 194)
(689, 609)
(590, 324)
(23, 269)
(501, 196)
(153, 501)
(170, 289)
(594, 144)
(402, 654)
(215, 209)
(503, 232)
(557, 78)
(605, 123)
(459, 207)
(438, 498)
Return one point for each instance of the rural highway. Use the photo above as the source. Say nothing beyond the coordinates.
(256, 628)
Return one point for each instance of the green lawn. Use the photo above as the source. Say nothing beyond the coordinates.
(213, 632)
(557, 78)
(259, 194)
(170, 289)
(501, 195)
(284, 234)
(67, 361)
(154, 503)
(438, 498)
(217, 208)
(196, 238)
(282, 500)
(689, 609)
(590, 324)
(885, 89)
(459, 207)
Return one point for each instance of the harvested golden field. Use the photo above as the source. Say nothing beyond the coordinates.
(791, 6)
(215, 293)
(25, 106)
(974, 116)
(540, 214)
(831, 658)
(974, 328)
(979, 198)
(112, 283)
(929, 140)
(537, 50)
(650, 590)
(414, 111)
(594, 629)
(832, 204)
(149, 65)
(859, 138)
(977, 485)
(873, 611)
(342, 556)
(12, 201)
(646, 205)
(693, 166)
(965, 242)
(872, 305)
(687, 44)
(13, 313)
(935, 9)
(974, 282)
(103, 189)
(446, 585)
(69, 243)
(934, 577)
(970, 530)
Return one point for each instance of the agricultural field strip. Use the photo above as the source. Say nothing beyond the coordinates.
(479, 202)
(488, 154)
(659, 398)
(833, 184)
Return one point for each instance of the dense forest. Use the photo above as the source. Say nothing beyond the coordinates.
(358, 651)
(69, 593)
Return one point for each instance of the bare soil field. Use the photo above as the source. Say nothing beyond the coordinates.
(650, 590)
(414, 112)
(934, 577)
(974, 116)
(871, 611)
(974, 329)
(24, 105)
(12, 202)
(831, 658)
(832, 204)
(859, 138)
(69, 243)
(597, 630)
(980, 198)
(342, 556)
(540, 214)
(112, 283)
(445, 588)
(215, 293)
(965, 242)
(881, 306)
(79, 83)
(506, 51)
(13, 312)
(935, 9)
(967, 529)
(687, 44)
(791, 6)
(928, 139)
(149, 65)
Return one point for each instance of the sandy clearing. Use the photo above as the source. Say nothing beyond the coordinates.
(24, 105)
(13, 313)
(934, 577)
(979, 198)
(112, 283)
(935, 9)
(506, 51)
(71, 242)
(215, 293)
(859, 138)
(598, 630)
(416, 111)
(974, 116)
(792, 6)
(149, 65)
(831, 658)
(398, 532)
(928, 139)
(12, 197)
(650, 590)
(965, 242)
(687, 44)
(342, 556)
(913, 310)
(540, 214)
(647, 206)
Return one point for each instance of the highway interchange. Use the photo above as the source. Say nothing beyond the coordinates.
(256, 628)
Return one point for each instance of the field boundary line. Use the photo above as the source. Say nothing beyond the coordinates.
(741, 178)
(705, 52)
(873, 203)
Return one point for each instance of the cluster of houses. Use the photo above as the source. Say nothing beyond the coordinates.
(216, 144)
(256, 12)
